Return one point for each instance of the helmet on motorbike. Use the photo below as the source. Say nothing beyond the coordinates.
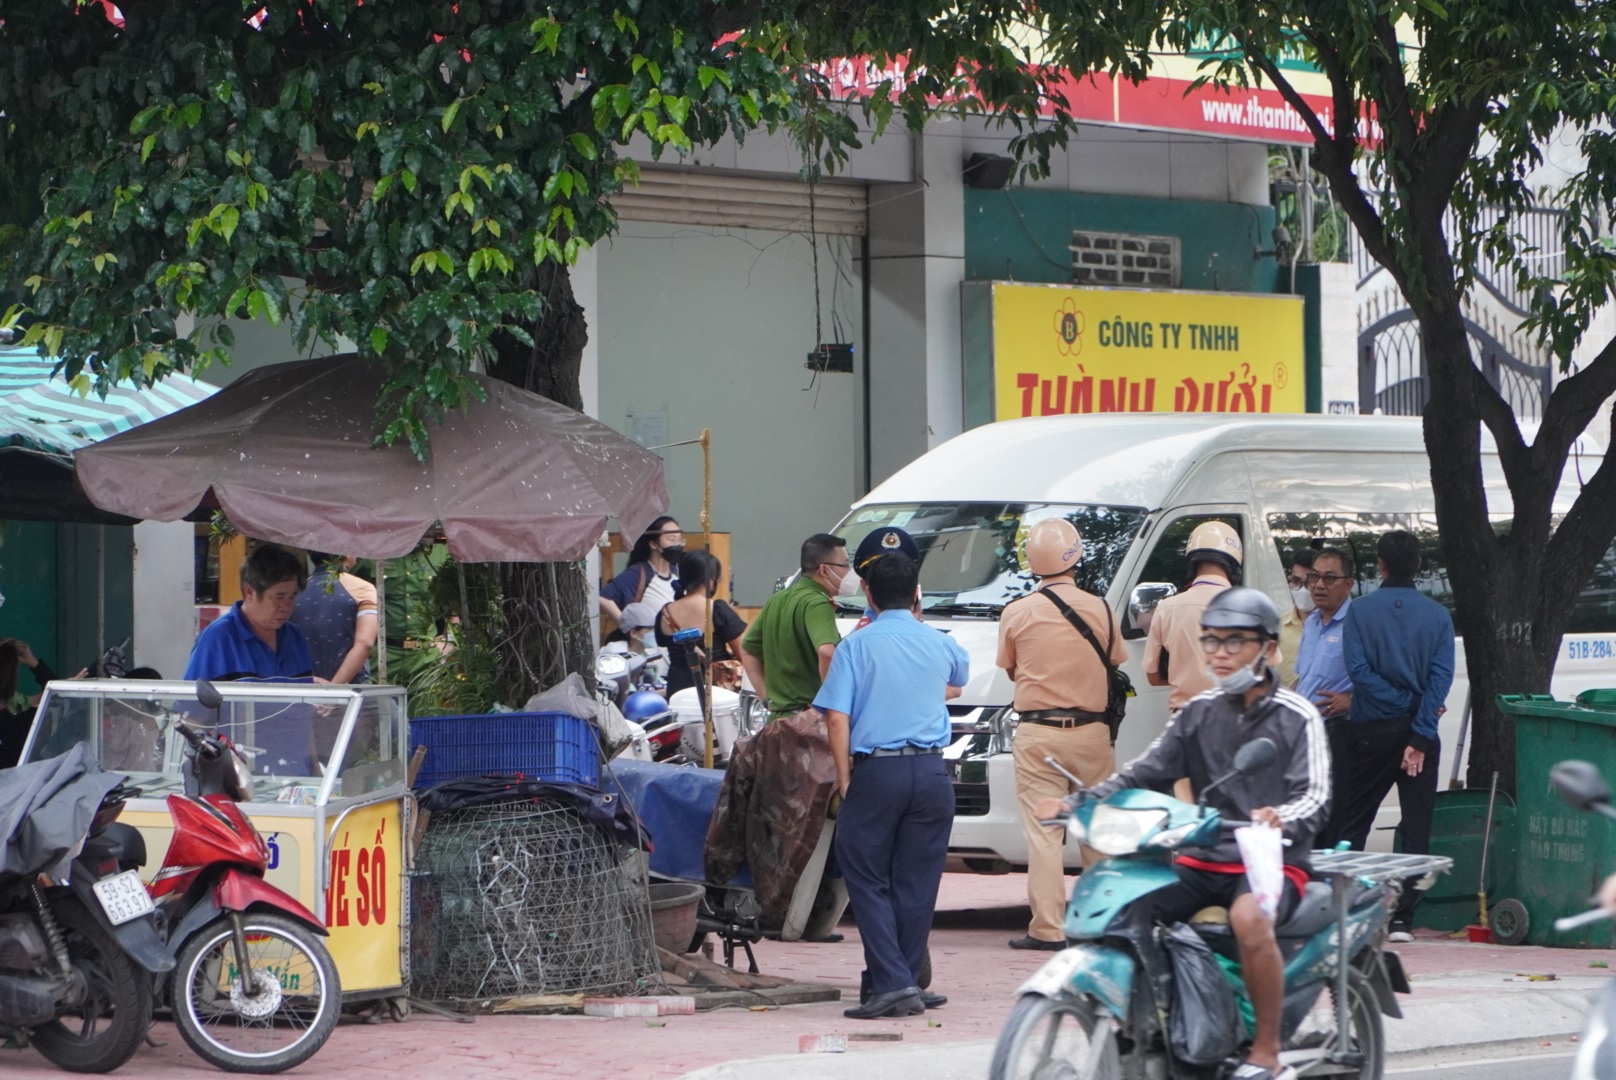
(643, 705)
(1240, 608)
(1213, 541)
(1053, 547)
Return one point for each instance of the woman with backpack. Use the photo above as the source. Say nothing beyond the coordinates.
(651, 573)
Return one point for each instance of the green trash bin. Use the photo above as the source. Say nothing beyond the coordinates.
(1562, 854)
(1458, 830)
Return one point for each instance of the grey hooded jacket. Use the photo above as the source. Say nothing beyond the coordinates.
(1200, 743)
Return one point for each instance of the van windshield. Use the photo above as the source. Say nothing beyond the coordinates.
(971, 553)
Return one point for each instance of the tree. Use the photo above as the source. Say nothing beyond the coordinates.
(411, 176)
(1464, 98)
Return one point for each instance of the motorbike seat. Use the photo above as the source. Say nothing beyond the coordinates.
(1313, 913)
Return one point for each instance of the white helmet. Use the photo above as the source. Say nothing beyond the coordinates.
(1053, 547)
(1214, 541)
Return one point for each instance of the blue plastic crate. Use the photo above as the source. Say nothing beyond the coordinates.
(543, 746)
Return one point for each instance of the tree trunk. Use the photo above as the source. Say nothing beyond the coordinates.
(546, 605)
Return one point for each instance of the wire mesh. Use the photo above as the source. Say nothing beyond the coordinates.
(527, 897)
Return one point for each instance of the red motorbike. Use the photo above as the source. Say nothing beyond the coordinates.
(254, 989)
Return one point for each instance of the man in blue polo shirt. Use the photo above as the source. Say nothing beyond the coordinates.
(1321, 667)
(255, 638)
(887, 723)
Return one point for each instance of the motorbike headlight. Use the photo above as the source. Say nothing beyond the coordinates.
(610, 665)
(1172, 837)
(1115, 831)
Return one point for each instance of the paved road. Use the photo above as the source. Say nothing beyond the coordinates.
(1524, 1061)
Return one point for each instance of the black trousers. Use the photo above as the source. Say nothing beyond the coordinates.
(891, 844)
(1366, 761)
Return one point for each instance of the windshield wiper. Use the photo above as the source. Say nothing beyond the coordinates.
(983, 610)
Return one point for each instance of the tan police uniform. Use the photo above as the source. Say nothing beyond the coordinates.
(1061, 691)
(1175, 628)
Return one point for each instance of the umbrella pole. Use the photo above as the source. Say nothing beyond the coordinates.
(100, 596)
(381, 621)
(707, 621)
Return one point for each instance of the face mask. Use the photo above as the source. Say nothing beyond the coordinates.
(1303, 597)
(672, 553)
(1243, 679)
(850, 586)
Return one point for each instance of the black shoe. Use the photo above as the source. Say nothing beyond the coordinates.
(931, 1000)
(1036, 944)
(905, 1002)
(829, 939)
(864, 987)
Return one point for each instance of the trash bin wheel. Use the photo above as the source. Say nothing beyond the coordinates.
(1509, 921)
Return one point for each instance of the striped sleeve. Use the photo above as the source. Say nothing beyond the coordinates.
(1307, 774)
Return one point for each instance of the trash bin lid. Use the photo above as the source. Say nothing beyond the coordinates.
(1591, 707)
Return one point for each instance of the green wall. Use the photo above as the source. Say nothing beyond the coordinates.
(48, 574)
(1020, 234)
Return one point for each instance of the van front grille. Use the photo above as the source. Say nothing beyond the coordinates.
(971, 800)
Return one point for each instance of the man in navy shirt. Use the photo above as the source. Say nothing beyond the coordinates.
(1398, 645)
(887, 721)
(255, 638)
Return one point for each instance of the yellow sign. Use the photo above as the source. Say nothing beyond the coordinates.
(364, 896)
(1067, 349)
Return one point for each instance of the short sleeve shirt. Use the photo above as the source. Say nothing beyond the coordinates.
(786, 636)
(1053, 665)
(328, 611)
(1175, 629)
(890, 679)
(229, 649)
(1321, 665)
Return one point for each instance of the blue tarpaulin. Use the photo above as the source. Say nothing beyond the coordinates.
(675, 803)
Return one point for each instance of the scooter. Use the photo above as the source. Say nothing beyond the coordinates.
(1579, 783)
(78, 948)
(620, 673)
(254, 989)
(1102, 1008)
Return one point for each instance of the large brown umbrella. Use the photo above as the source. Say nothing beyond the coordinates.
(286, 453)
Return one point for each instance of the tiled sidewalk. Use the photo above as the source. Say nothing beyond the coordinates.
(972, 964)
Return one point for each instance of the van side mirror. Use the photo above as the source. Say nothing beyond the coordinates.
(1142, 604)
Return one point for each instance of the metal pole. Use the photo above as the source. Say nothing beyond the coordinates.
(100, 595)
(381, 621)
(1459, 750)
(707, 611)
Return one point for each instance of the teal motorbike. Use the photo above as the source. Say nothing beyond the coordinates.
(1102, 1008)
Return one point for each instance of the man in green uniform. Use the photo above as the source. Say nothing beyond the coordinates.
(790, 643)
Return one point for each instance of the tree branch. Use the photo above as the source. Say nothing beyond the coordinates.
(1580, 542)
(1572, 405)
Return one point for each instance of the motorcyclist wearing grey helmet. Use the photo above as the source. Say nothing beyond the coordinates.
(1239, 634)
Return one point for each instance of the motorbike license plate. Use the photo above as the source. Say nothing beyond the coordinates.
(123, 897)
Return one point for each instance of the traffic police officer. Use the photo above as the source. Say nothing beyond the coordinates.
(1172, 648)
(887, 723)
(1062, 689)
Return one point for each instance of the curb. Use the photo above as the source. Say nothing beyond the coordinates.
(1463, 1011)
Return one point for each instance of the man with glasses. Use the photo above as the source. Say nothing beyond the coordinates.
(1321, 669)
(1290, 622)
(790, 644)
(1239, 634)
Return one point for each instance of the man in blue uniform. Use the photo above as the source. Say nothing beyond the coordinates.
(255, 638)
(887, 722)
(889, 540)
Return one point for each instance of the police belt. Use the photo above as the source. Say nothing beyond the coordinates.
(1062, 718)
(897, 751)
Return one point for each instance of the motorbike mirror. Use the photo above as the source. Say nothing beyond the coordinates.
(1254, 755)
(1580, 784)
(208, 696)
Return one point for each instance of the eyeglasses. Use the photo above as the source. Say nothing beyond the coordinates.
(1329, 580)
(838, 565)
(1297, 582)
(1212, 644)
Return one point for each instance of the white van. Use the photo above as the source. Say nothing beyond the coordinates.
(1135, 485)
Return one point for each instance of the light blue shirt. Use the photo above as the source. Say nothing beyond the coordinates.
(1321, 666)
(890, 679)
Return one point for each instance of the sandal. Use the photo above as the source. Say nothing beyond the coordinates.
(1248, 1071)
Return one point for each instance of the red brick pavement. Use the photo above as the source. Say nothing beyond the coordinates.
(972, 966)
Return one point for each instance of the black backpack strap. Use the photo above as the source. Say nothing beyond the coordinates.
(1082, 628)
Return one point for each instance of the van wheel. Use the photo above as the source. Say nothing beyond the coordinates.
(1509, 921)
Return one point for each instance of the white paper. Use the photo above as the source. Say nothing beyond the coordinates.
(1263, 851)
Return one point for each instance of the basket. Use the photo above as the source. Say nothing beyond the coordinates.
(550, 746)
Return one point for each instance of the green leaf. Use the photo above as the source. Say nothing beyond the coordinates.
(142, 118)
(151, 361)
(381, 190)
(445, 263)
(450, 113)
(191, 115)
(146, 146)
(408, 178)
(583, 145)
(305, 138)
(227, 218)
(378, 339)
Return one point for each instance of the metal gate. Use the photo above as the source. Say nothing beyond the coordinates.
(1392, 379)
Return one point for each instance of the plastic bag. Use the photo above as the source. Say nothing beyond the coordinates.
(571, 696)
(1204, 1024)
(1262, 850)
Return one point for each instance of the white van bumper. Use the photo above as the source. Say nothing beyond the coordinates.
(988, 836)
